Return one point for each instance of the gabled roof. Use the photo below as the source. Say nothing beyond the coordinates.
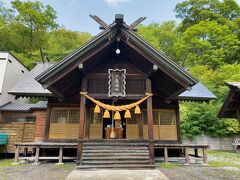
(131, 40)
(198, 93)
(17, 107)
(231, 105)
(29, 86)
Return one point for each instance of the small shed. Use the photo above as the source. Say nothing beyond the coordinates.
(231, 105)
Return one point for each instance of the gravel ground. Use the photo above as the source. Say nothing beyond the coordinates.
(46, 171)
(201, 173)
(49, 171)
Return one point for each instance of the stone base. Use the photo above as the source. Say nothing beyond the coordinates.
(38, 163)
(58, 164)
(14, 164)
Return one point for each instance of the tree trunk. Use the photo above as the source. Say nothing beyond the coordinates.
(41, 53)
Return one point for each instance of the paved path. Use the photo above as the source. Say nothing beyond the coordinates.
(116, 175)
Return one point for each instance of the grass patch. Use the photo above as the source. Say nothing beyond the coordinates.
(64, 166)
(169, 165)
(6, 162)
(9, 163)
(231, 155)
(223, 164)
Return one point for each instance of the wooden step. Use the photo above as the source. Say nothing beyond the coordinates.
(115, 144)
(114, 150)
(103, 155)
(116, 166)
(116, 147)
(113, 161)
(86, 154)
(115, 158)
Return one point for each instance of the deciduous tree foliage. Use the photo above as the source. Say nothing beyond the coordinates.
(207, 42)
(30, 31)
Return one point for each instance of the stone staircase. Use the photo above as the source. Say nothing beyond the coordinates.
(115, 155)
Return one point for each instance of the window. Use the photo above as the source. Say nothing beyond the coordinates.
(144, 116)
(19, 118)
(65, 115)
(155, 117)
(167, 118)
(133, 119)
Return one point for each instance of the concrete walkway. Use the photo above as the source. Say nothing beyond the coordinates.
(116, 175)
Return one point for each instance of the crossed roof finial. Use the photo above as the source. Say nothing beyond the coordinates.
(118, 20)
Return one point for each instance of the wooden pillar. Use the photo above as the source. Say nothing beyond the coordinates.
(37, 155)
(60, 157)
(16, 154)
(47, 123)
(204, 151)
(150, 122)
(186, 155)
(25, 151)
(87, 123)
(238, 117)
(178, 124)
(196, 152)
(165, 154)
(82, 121)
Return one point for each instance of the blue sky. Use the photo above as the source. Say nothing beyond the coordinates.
(74, 14)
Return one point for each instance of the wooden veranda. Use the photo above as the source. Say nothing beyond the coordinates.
(35, 155)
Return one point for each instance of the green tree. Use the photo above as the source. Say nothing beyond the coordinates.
(37, 20)
(200, 118)
(61, 42)
(161, 36)
(194, 11)
(207, 43)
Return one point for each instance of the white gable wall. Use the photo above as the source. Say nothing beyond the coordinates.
(3, 67)
(14, 72)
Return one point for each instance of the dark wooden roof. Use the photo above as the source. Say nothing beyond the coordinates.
(198, 93)
(231, 105)
(29, 86)
(18, 107)
(64, 77)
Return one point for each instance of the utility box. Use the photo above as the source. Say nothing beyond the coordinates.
(3, 138)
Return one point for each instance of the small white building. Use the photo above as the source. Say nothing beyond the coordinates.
(11, 72)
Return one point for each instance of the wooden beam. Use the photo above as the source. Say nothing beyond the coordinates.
(195, 152)
(82, 120)
(16, 157)
(60, 157)
(102, 24)
(204, 151)
(152, 59)
(82, 110)
(165, 154)
(149, 110)
(150, 121)
(74, 65)
(178, 124)
(137, 22)
(47, 123)
(186, 155)
(238, 116)
(37, 155)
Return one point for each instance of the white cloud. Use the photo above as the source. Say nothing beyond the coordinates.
(116, 2)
